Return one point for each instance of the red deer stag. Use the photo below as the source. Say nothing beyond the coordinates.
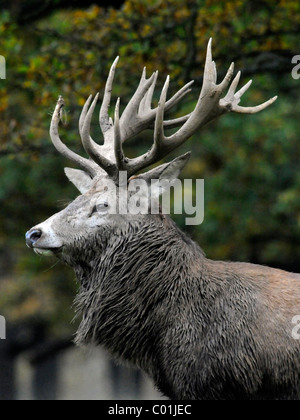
(200, 329)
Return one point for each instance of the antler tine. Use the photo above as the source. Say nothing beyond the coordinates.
(159, 121)
(119, 155)
(145, 105)
(84, 163)
(178, 96)
(82, 120)
(210, 72)
(254, 109)
(130, 123)
(177, 122)
(104, 119)
(90, 146)
(84, 112)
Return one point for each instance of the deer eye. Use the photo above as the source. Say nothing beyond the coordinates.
(102, 207)
(99, 208)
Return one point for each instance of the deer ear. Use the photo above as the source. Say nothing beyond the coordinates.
(168, 171)
(79, 178)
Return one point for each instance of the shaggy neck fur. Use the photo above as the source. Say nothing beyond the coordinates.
(199, 328)
(128, 284)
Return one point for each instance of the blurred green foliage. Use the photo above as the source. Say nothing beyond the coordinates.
(250, 163)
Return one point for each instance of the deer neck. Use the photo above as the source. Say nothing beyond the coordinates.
(127, 287)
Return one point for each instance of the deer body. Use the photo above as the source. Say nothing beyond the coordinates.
(201, 329)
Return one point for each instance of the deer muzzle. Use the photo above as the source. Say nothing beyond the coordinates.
(33, 236)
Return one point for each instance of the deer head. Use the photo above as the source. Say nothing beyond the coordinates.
(89, 214)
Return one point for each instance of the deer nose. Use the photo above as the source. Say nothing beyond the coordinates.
(32, 236)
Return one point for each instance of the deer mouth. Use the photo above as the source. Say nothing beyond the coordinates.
(47, 252)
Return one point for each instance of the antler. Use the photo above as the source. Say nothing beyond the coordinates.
(138, 115)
